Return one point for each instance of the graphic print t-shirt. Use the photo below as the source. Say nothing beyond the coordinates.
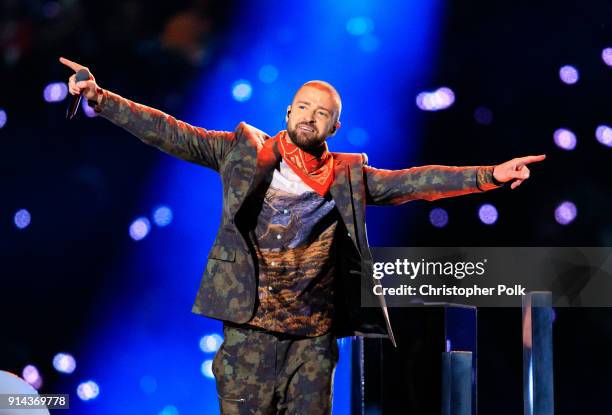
(294, 242)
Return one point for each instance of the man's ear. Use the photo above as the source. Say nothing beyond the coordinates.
(288, 112)
(335, 128)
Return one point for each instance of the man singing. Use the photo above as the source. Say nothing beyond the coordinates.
(285, 270)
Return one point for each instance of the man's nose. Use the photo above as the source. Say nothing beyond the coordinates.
(311, 117)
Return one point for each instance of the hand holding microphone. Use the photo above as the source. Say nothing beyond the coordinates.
(80, 84)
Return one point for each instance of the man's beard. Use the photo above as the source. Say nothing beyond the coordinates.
(304, 140)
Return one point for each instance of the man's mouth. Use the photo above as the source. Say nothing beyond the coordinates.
(306, 128)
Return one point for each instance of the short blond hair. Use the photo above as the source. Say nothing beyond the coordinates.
(325, 86)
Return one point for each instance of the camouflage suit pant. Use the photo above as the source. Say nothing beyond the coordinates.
(265, 373)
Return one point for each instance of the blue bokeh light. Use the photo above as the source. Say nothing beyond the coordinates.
(488, 214)
(207, 369)
(64, 363)
(210, 343)
(565, 213)
(140, 228)
(603, 133)
(438, 217)
(169, 410)
(358, 26)
(437, 100)
(368, 43)
(268, 74)
(569, 75)
(242, 90)
(565, 139)
(606, 56)
(89, 111)
(22, 218)
(483, 115)
(87, 391)
(55, 92)
(162, 216)
(148, 384)
(358, 136)
(31, 375)
(2, 118)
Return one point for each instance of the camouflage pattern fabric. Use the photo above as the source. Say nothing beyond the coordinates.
(260, 373)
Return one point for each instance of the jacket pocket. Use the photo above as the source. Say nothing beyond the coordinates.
(222, 253)
(232, 400)
(233, 406)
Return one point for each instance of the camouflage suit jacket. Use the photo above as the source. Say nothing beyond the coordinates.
(246, 159)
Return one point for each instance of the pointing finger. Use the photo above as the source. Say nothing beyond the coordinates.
(530, 159)
(72, 65)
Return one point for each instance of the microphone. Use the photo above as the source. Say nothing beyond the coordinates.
(82, 75)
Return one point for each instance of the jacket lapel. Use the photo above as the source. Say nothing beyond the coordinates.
(268, 159)
(340, 191)
(254, 163)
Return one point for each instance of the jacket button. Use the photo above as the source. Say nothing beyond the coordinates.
(349, 234)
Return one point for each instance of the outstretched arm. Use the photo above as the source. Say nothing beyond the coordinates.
(393, 187)
(206, 147)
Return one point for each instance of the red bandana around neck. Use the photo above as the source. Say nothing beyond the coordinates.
(316, 172)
